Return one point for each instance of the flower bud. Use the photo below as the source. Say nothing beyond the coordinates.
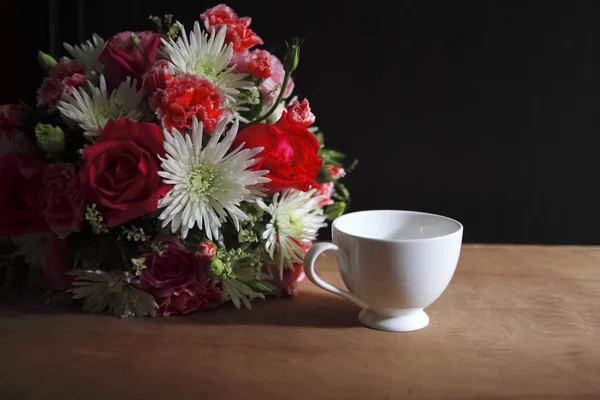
(292, 56)
(50, 138)
(46, 60)
(216, 267)
(206, 251)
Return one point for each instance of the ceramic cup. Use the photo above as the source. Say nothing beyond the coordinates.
(394, 264)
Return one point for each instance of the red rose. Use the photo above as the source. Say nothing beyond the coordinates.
(184, 97)
(260, 67)
(171, 268)
(64, 77)
(194, 297)
(157, 76)
(55, 267)
(290, 154)
(62, 203)
(238, 31)
(21, 178)
(299, 113)
(120, 171)
(123, 58)
(206, 251)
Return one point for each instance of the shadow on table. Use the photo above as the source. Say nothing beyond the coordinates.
(310, 309)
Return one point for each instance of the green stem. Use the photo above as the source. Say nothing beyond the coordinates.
(286, 79)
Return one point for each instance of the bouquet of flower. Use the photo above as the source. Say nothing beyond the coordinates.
(165, 173)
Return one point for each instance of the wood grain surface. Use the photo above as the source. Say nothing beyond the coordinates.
(515, 323)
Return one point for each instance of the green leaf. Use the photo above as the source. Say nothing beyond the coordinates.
(341, 192)
(321, 138)
(336, 210)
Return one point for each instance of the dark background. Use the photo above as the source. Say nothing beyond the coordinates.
(484, 111)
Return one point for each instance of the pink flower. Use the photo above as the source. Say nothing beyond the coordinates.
(336, 172)
(206, 251)
(63, 206)
(271, 86)
(128, 54)
(325, 190)
(64, 77)
(184, 97)
(194, 297)
(260, 67)
(299, 113)
(169, 269)
(238, 29)
(55, 267)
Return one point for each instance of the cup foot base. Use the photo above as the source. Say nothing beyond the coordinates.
(410, 321)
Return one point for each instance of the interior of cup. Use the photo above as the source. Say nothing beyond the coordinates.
(395, 225)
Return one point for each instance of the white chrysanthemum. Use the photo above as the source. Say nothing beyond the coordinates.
(295, 222)
(91, 112)
(206, 56)
(88, 52)
(208, 183)
(32, 246)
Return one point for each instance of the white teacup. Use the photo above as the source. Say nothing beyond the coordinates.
(394, 263)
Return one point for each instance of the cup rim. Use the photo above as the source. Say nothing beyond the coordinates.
(411, 212)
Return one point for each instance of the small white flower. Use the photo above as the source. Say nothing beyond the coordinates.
(295, 222)
(91, 112)
(88, 52)
(208, 183)
(207, 56)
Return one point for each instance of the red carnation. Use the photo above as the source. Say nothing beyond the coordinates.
(184, 97)
(194, 297)
(64, 77)
(290, 154)
(157, 76)
(238, 31)
(63, 206)
(21, 178)
(299, 113)
(120, 170)
(260, 67)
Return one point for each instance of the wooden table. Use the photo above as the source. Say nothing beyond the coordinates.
(515, 323)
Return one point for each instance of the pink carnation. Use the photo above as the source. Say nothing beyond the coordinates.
(64, 77)
(336, 172)
(299, 113)
(271, 86)
(325, 190)
(12, 140)
(63, 206)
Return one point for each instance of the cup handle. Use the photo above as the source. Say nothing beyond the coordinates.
(309, 270)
